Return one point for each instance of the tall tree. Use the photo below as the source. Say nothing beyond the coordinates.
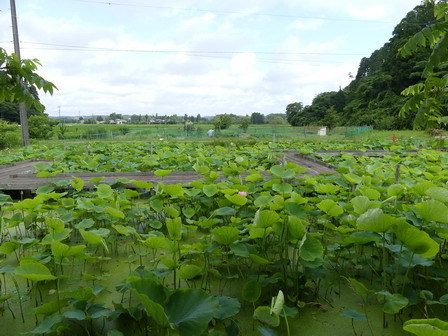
(293, 113)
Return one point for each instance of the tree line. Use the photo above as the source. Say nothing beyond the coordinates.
(374, 96)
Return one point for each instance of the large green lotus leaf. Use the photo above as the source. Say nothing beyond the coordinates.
(262, 201)
(359, 288)
(225, 211)
(187, 272)
(352, 178)
(174, 190)
(311, 249)
(429, 327)
(210, 190)
(114, 212)
(371, 193)
(330, 207)
(149, 287)
(81, 294)
(153, 309)
(226, 235)
(228, 307)
(282, 172)
(201, 169)
(85, 224)
(188, 212)
(28, 204)
(61, 250)
(191, 310)
(47, 325)
(142, 184)
(393, 303)
(375, 220)
(296, 228)
(104, 191)
(156, 204)
(50, 307)
(278, 303)
(263, 314)
(77, 183)
(327, 188)
(265, 218)
(34, 271)
(360, 204)
(44, 189)
(251, 291)
(90, 237)
(174, 226)
(416, 240)
(294, 166)
(395, 190)
(237, 199)
(125, 230)
(353, 314)
(259, 260)
(439, 194)
(55, 223)
(421, 188)
(9, 247)
(172, 211)
(282, 188)
(162, 172)
(433, 210)
(155, 242)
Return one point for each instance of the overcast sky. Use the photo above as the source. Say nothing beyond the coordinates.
(196, 56)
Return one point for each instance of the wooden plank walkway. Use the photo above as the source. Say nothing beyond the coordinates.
(22, 176)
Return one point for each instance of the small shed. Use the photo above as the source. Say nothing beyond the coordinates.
(211, 133)
(322, 131)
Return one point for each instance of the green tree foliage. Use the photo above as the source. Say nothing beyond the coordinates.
(13, 72)
(41, 127)
(294, 113)
(9, 134)
(222, 121)
(257, 118)
(428, 99)
(244, 123)
(374, 96)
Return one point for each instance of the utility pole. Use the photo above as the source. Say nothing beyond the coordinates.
(22, 108)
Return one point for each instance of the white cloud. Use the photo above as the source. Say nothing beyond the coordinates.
(306, 24)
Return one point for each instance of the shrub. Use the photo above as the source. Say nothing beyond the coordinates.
(9, 135)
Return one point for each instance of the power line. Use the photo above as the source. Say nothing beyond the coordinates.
(97, 49)
(231, 12)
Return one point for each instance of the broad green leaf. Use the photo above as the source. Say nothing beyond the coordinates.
(352, 178)
(259, 260)
(327, 188)
(9, 247)
(360, 204)
(156, 204)
(225, 211)
(115, 212)
(426, 327)
(353, 314)
(55, 223)
(162, 172)
(262, 201)
(210, 190)
(225, 235)
(125, 230)
(90, 237)
(439, 194)
(237, 199)
(187, 272)
(311, 249)
(393, 303)
(282, 172)
(191, 310)
(174, 226)
(375, 220)
(330, 207)
(360, 288)
(174, 190)
(251, 291)
(142, 184)
(188, 212)
(433, 210)
(395, 190)
(34, 271)
(48, 325)
(153, 309)
(263, 314)
(295, 227)
(265, 218)
(44, 189)
(416, 240)
(77, 183)
(75, 315)
(282, 188)
(228, 307)
(50, 308)
(104, 191)
(155, 242)
(85, 224)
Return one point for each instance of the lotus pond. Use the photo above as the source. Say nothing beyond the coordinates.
(270, 252)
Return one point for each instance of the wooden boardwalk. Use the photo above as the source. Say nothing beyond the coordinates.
(22, 176)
